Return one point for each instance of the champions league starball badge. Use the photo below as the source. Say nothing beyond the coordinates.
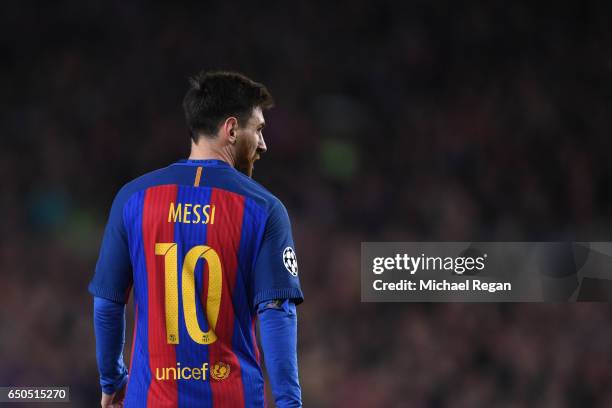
(290, 261)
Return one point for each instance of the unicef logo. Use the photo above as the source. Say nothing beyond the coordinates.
(220, 371)
(290, 261)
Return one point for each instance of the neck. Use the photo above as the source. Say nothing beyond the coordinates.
(207, 150)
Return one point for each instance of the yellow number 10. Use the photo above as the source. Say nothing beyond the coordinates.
(213, 301)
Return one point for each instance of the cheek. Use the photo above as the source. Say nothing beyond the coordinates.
(248, 145)
(254, 141)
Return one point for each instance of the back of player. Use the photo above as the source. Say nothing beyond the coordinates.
(207, 251)
(194, 232)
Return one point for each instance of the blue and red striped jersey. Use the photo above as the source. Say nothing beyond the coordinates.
(202, 245)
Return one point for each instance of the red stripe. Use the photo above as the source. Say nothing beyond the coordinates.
(224, 237)
(156, 228)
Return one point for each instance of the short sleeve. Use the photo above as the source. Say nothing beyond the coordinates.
(113, 275)
(276, 267)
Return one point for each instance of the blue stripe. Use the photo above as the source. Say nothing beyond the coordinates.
(140, 377)
(242, 341)
(192, 393)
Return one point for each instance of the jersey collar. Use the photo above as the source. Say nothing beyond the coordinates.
(203, 163)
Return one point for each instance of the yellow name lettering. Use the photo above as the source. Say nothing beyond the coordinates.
(188, 213)
(196, 213)
(205, 210)
(174, 214)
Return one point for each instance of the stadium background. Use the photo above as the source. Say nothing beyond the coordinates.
(427, 122)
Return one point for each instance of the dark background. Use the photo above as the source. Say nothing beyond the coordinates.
(413, 123)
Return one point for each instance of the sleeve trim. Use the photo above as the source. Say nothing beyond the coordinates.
(294, 294)
(107, 294)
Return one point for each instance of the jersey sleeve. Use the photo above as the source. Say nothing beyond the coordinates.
(113, 275)
(276, 269)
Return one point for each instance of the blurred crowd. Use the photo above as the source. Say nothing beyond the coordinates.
(426, 122)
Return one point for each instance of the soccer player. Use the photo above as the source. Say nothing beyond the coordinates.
(207, 251)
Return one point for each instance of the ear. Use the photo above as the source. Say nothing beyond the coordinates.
(229, 129)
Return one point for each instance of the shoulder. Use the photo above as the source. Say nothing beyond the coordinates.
(260, 194)
(150, 179)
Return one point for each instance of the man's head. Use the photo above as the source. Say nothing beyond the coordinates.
(227, 107)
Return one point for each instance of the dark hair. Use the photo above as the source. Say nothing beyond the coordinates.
(214, 96)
